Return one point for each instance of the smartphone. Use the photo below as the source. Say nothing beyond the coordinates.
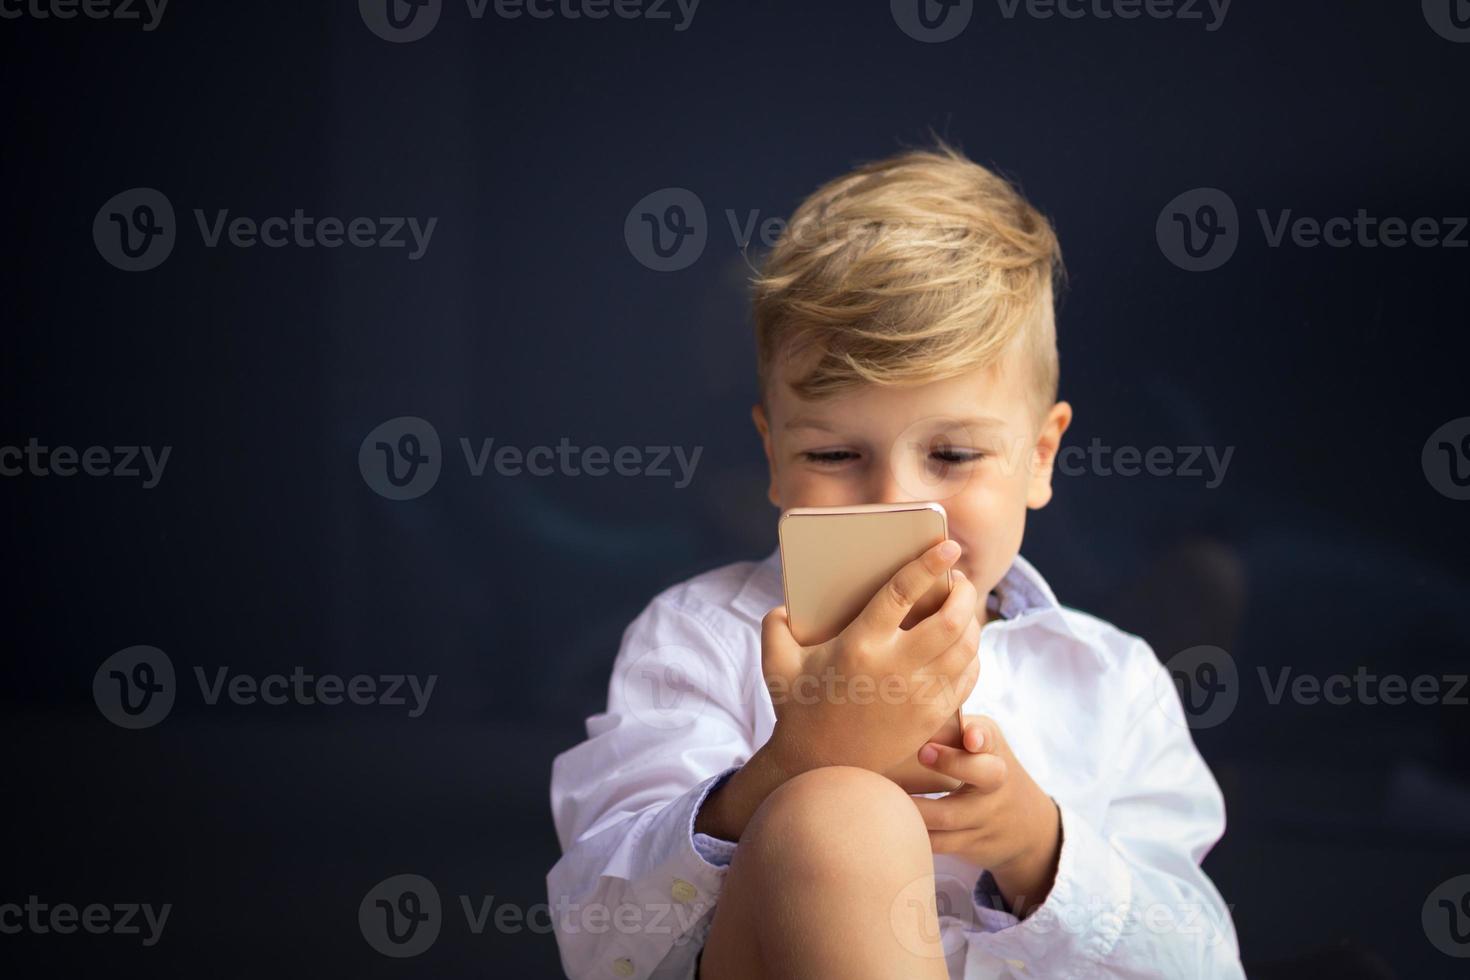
(835, 559)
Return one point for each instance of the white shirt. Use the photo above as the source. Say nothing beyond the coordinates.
(1087, 709)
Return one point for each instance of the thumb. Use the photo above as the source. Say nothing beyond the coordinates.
(780, 653)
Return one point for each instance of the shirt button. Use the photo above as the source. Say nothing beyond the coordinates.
(623, 967)
(683, 891)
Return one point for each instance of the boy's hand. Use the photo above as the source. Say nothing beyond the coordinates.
(871, 695)
(1000, 819)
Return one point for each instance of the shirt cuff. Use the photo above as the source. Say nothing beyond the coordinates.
(1074, 931)
(657, 889)
(715, 851)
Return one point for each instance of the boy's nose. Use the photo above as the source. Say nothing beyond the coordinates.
(898, 483)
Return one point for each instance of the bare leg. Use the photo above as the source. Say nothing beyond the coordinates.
(833, 878)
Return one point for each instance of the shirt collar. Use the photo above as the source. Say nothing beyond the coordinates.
(1022, 591)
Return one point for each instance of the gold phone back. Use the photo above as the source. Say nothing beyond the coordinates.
(834, 560)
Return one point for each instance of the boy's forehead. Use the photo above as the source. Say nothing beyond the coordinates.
(988, 396)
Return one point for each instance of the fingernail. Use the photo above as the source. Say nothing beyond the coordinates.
(949, 551)
(976, 736)
(928, 754)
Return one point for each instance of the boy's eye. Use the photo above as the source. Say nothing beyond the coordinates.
(829, 456)
(956, 456)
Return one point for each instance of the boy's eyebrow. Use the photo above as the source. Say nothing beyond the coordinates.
(975, 422)
(804, 423)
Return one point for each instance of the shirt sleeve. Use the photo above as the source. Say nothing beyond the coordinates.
(715, 850)
(1130, 899)
(634, 880)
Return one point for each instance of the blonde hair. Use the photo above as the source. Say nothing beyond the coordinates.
(910, 269)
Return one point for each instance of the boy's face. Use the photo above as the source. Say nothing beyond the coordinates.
(973, 442)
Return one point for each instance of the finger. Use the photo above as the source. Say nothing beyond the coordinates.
(887, 609)
(956, 655)
(949, 680)
(982, 734)
(780, 653)
(953, 812)
(968, 680)
(948, 624)
(984, 771)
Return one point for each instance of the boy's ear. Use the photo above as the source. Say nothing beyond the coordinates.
(763, 426)
(1048, 442)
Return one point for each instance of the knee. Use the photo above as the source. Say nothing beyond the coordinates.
(835, 812)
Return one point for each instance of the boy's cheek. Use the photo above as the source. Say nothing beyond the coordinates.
(990, 531)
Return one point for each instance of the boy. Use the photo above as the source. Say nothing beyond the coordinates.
(715, 826)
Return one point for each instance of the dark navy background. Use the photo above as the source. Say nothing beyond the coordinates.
(529, 320)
